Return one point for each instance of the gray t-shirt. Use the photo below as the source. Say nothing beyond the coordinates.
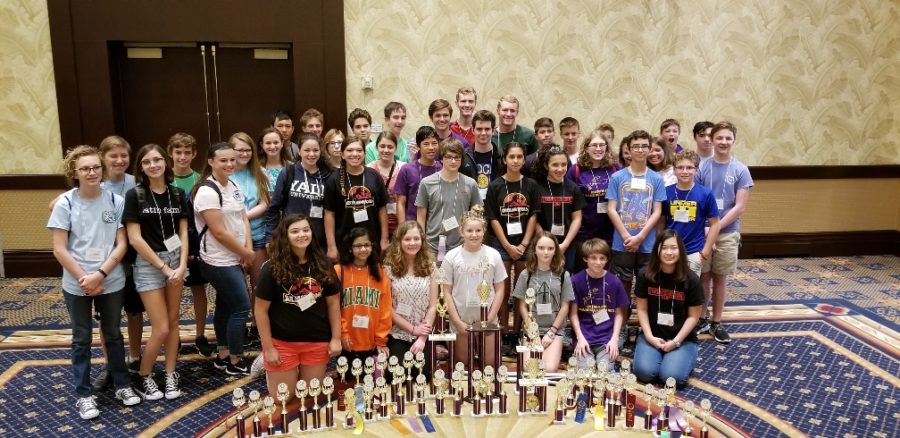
(547, 289)
(92, 226)
(443, 200)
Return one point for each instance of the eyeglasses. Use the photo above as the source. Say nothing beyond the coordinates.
(596, 145)
(361, 245)
(641, 146)
(88, 170)
(451, 158)
(334, 143)
(683, 168)
(244, 151)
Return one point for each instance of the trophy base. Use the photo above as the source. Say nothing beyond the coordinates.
(442, 337)
(529, 349)
(534, 382)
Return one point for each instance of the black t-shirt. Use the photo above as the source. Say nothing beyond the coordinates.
(365, 191)
(288, 322)
(670, 297)
(158, 210)
(512, 202)
(558, 201)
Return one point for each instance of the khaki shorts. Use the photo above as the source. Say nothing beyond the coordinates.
(724, 258)
(694, 263)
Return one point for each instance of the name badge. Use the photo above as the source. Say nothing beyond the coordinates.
(544, 309)
(403, 309)
(601, 316)
(681, 216)
(391, 208)
(666, 319)
(720, 203)
(306, 301)
(482, 193)
(557, 230)
(360, 321)
(513, 228)
(172, 243)
(315, 211)
(95, 254)
(360, 216)
(450, 224)
(442, 247)
(638, 184)
(602, 207)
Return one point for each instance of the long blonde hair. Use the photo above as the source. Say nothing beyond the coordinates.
(262, 181)
(394, 257)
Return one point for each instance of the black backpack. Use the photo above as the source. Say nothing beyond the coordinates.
(195, 237)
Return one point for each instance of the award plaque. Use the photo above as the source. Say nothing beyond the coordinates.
(269, 409)
(238, 400)
(301, 391)
(254, 404)
(327, 390)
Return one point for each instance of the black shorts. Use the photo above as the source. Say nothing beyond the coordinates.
(627, 264)
(131, 300)
(195, 276)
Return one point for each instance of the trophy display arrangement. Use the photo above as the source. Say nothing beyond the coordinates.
(441, 330)
(478, 331)
(531, 381)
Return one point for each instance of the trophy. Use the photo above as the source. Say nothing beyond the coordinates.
(440, 332)
(314, 390)
(381, 390)
(477, 389)
(269, 409)
(282, 394)
(649, 392)
(562, 392)
(705, 411)
(441, 307)
(457, 383)
(420, 393)
(484, 291)
(254, 404)
(611, 402)
(630, 381)
(670, 396)
(368, 392)
(380, 364)
(341, 368)
(300, 391)
(393, 363)
(350, 400)
(478, 331)
(489, 390)
(662, 423)
(408, 362)
(688, 409)
(369, 366)
(327, 390)
(419, 363)
(238, 400)
(619, 384)
(440, 385)
(399, 396)
(502, 372)
(591, 374)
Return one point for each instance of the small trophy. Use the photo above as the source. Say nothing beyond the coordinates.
(269, 409)
(662, 423)
(238, 400)
(356, 369)
(477, 388)
(611, 402)
(254, 404)
(457, 382)
(301, 392)
(502, 372)
(420, 393)
(630, 381)
(408, 362)
(350, 400)
(705, 412)
(688, 409)
(314, 390)
(327, 390)
(441, 307)
(440, 384)
(399, 396)
(282, 394)
(649, 393)
(392, 365)
(383, 403)
(419, 363)
(369, 366)
(368, 393)
(341, 367)
(562, 392)
(489, 390)
(380, 364)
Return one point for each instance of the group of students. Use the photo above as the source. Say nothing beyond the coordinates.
(340, 235)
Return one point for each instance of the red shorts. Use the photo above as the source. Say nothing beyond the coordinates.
(294, 354)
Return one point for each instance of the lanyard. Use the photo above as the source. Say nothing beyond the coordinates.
(659, 299)
(441, 193)
(589, 299)
(592, 186)
(506, 185)
(686, 197)
(553, 204)
(162, 229)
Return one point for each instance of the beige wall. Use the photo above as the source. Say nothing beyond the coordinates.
(806, 82)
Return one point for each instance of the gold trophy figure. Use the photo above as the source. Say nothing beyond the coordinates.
(484, 291)
(269, 409)
(282, 395)
(238, 400)
(441, 307)
(687, 408)
(356, 369)
(300, 391)
(327, 390)
(341, 367)
(254, 404)
(562, 392)
(705, 412)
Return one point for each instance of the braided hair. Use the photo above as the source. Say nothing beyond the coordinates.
(348, 140)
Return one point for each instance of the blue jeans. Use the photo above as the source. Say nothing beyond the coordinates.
(655, 366)
(80, 313)
(232, 305)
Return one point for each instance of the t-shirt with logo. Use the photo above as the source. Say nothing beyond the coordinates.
(300, 194)
(287, 302)
(549, 290)
(366, 307)
(635, 204)
(92, 225)
(724, 180)
(444, 200)
(362, 193)
(159, 217)
(669, 296)
(593, 184)
(558, 201)
(483, 168)
(232, 208)
(594, 295)
(512, 202)
(686, 212)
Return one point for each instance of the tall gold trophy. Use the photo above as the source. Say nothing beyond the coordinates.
(478, 331)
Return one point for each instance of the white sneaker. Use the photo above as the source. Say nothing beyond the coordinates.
(172, 391)
(151, 391)
(257, 369)
(87, 407)
(127, 396)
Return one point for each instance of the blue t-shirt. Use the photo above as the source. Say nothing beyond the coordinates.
(635, 205)
(247, 184)
(92, 226)
(698, 205)
(593, 295)
(724, 180)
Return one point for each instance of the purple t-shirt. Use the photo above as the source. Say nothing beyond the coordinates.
(592, 295)
(593, 184)
(407, 184)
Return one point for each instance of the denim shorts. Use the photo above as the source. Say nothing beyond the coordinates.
(148, 277)
(504, 256)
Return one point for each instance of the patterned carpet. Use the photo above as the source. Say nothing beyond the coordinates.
(816, 352)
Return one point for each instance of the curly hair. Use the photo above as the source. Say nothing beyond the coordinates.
(374, 256)
(286, 265)
(72, 157)
(394, 257)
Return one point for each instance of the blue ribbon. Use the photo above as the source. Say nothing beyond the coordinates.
(427, 423)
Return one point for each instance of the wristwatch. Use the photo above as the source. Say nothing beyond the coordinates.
(677, 344)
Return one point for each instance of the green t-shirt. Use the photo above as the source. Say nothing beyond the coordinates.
(401, 154)
(521, 134)
(186, 182)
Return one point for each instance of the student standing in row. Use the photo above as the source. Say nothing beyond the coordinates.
(409, 177)
(388, 167)
(561, 202)
(591, 174)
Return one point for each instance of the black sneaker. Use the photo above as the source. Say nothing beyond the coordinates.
(717, 330)
(240, 368)
(203, 346)
(703, 326)
(221, 363)
(103, 380)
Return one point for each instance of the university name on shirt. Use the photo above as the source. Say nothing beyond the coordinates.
(306, 190)
(361, 296)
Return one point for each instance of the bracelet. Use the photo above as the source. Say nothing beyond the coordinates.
(102, 272)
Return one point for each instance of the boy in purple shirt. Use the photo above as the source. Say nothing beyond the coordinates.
(598, 312)
(407, 186)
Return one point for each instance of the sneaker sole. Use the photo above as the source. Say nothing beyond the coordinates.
(703, 330)
(722, 341)
(93, 415)
(150, 397)
(173, 397)
(131, 402)
(236, 373)
(220, 367)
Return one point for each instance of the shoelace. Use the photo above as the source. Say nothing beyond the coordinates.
(172, 382)
(150, 386)
(87, 403)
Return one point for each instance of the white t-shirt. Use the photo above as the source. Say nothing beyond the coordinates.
(211, 250)
(462, 270)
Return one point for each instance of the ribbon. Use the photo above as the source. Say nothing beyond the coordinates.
(427, 423)
(414, 423)
(400, 426)
(359, 423)
(581, 406)
(598, 417)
